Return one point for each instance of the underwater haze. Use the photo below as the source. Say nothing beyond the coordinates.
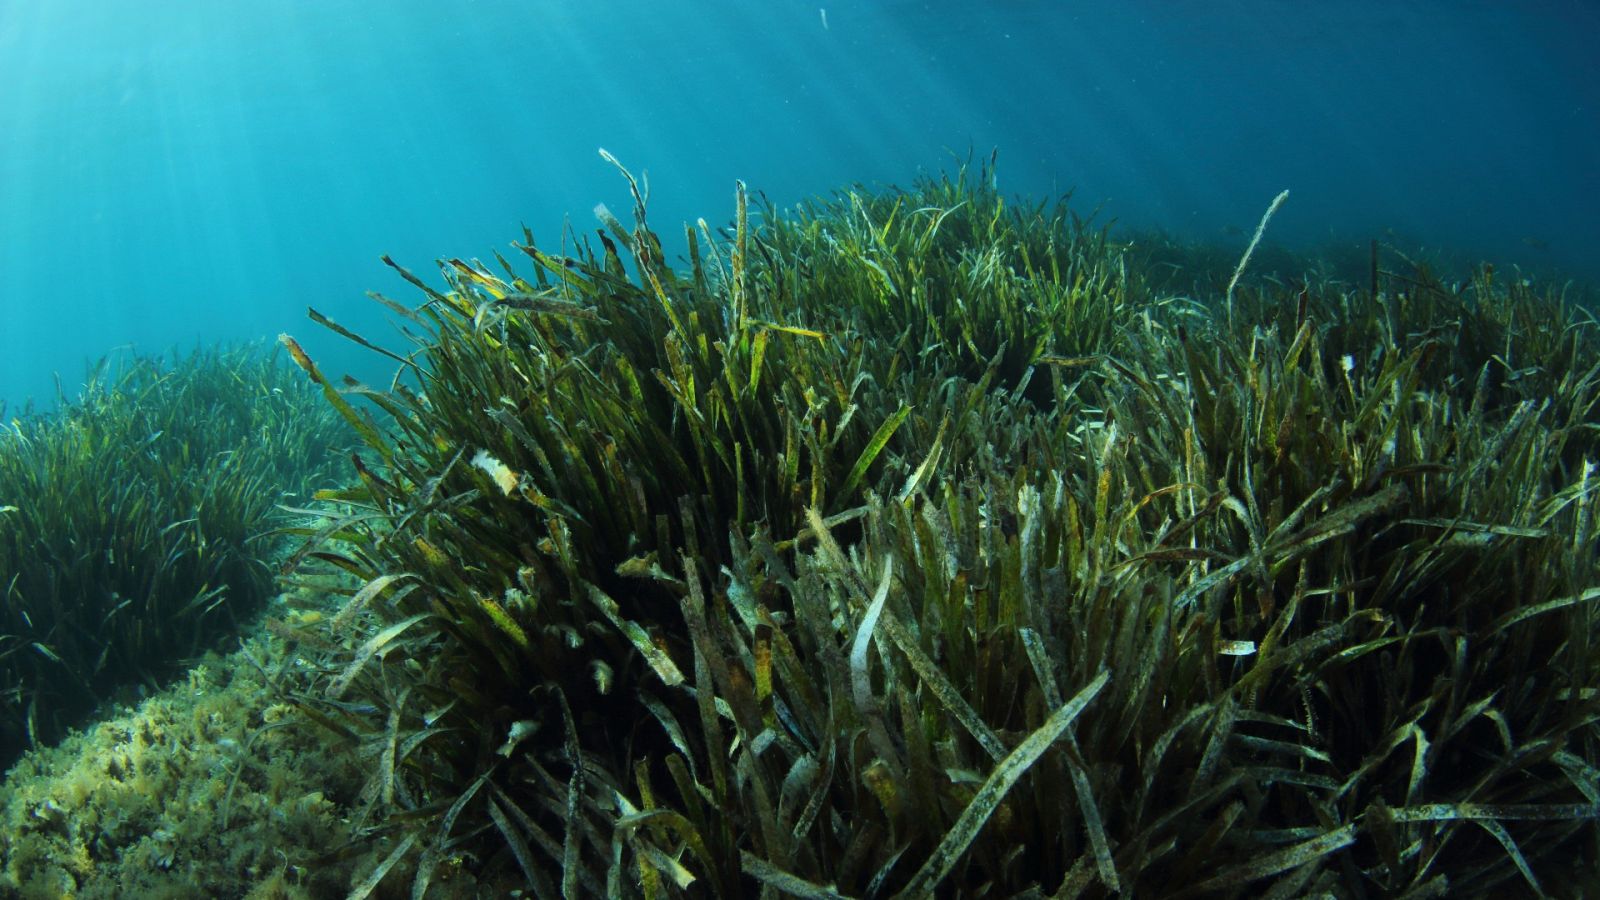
(201, 172)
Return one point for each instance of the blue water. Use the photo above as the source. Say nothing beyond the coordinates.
(197, 170)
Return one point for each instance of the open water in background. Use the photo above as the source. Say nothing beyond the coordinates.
(203, 170)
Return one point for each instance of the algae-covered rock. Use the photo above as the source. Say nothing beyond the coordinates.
(211, 788)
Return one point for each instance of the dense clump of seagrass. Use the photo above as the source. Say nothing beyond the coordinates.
(911, 543)
(132, 523)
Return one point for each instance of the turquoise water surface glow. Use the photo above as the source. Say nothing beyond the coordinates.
(203, 171)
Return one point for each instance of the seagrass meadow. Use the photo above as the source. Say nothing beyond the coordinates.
(135, 521)
(930, 542)
(913, 542)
